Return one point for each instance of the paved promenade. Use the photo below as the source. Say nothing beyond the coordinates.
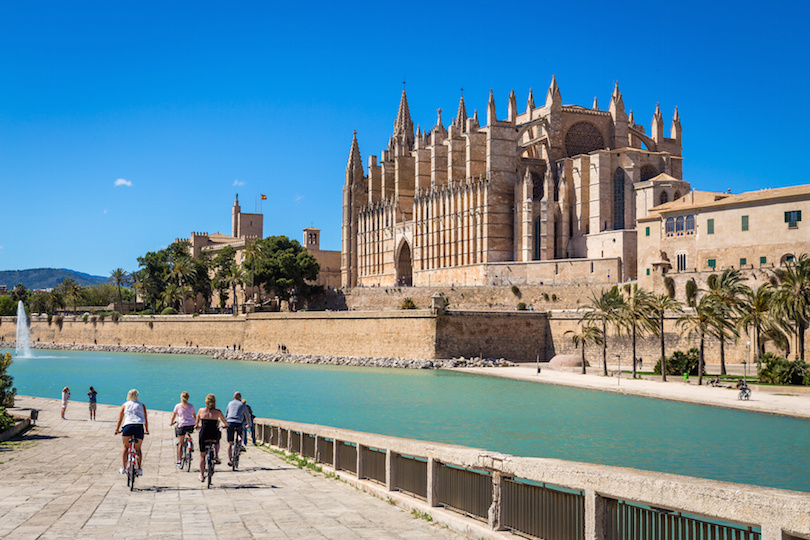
(62, 481)
(787, 402)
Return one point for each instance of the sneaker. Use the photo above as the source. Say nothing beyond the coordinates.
(179, 464)
(244, 449)
(122, 470)
(139, 472)
(230, 464)
(217, 460)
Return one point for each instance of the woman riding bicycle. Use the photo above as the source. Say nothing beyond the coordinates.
(208, 419)
(184, 414)
(133, 416)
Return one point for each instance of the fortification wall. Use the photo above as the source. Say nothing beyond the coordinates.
(518, 336)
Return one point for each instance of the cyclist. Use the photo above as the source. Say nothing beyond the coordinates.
(208, 419)
(184, 414)
(235, 414)
(133, 416)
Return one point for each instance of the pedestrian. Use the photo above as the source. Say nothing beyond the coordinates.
(91, 396)
(65, 398)
(249, 424)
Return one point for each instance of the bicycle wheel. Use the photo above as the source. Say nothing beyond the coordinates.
(132, 473)
(187, 457)
(235, 457)
(209, 463)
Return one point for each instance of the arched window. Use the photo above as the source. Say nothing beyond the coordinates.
(583, 138)
(648, 171)
(537, 239)
(677, 196)
(618, 199)
(679, 225)
(670, 226)
(690, 224)
(664, 198)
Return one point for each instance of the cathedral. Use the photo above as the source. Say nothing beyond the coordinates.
(549, 195)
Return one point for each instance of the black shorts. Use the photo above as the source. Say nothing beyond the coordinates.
(135, 430)
(209, 436)
(234, 428)
(180, 431)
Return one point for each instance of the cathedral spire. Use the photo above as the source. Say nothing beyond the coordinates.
(616, 100)
(354, 166)
(657, 125)
(530, 101)
(675, 131)
(553, 96)
(460, 120)
(475, 118)
(512, 107)
(595, 104)
(491, 117)
(403, 126)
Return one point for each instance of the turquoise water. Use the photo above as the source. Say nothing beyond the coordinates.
(514, 417)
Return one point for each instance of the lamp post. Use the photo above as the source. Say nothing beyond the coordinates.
(619, 370)
(745, 362)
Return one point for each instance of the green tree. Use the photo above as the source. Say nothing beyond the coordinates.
(756, 313)
(200, 282)
(254, 251)
(660, 304)
(221, 265)
(38, 302)
(792, 298)
(605, 310)
(7, 391)
(55, 300)
(285, 267)
(153, 276)
(8, 307)
(182, 271)
(20, 293)
(636, 315)
(587, 334)
(728, 291)
(234, 277)
(703, 317)
(71, 289)
(171, 295)
(120, 278)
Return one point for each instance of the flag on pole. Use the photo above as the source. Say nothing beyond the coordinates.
(264, 197)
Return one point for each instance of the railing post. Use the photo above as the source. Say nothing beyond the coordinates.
(289, 441)
(336, 454)
(772, 532)
(390, 470)
(595, 510)
(360, 463)
(496, 508)
(301, 437)
(432, 482)
(318, 444)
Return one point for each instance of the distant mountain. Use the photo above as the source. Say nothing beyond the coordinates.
(45, 278)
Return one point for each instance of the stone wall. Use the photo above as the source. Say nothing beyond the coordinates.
(518, 336)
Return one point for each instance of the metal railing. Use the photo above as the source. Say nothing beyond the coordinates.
(373, 464)
(627, 520)
(283, 434)
(295, 441)
(326, 454)
(465, 490)
(542, 511)
(347, 457)
(308, 449)
(411, 476)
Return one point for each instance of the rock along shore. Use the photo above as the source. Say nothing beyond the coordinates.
(228, 354)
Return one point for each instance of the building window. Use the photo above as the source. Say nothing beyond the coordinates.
(681, 261)
(745, 223)
(763, 260)
(690, 224)
(647, 231)
(664, 198)
(670, 226)
(743, 262)
(679, 225)
(618, 199)
(648, 271)
(712, 263)
(792, 218)
(709, 226)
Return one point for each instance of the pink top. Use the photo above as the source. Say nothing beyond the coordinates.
(185, 415)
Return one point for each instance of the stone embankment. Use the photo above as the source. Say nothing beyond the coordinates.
(228, 354)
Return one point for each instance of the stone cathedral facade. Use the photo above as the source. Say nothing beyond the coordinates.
(548, 195)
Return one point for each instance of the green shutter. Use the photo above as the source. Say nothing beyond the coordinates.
(787, 217)
(745, 223)
(712, 263)
(798, 215)
(743, 262)
(710, 226)
(647, 232)
(763, 260)
(648, 271)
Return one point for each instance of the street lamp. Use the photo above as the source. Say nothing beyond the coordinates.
(745, 361)
(619, 370)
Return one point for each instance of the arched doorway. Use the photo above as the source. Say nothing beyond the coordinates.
(404, 266)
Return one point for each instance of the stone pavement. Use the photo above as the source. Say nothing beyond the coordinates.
(784, 401)
(61, 481)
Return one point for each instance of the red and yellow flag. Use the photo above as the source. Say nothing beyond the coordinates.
(264, 197)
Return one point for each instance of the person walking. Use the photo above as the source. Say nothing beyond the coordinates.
(65, 398)
(249, 424)
(235, 415)
(136, 424)
(91, 396)
(184, 414)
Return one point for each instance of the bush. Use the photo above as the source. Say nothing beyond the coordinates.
(669, 284)
(545, 296)
(101, 317)
(6, 421)
(553, 297)
(115, 316)
(778, 370)
(85, 317)
(407, 303)
(691, 290)
(50, 319)
(680, 363)
(522, 306)
(57, 320)
(516, 291)
(169, 311)
(7, 392)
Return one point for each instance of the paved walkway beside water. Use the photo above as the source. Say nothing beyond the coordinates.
(785, 402)
(61, 481)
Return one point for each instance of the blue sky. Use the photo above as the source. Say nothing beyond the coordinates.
(192, 102)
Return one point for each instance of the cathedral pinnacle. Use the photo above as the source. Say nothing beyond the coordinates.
(403, 126)
(354, 163)
(491, 117)
(461, 116)
(530, 101)
(595, 104)
(553, 95)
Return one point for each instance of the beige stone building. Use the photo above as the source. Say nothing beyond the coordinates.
(329, 261)
(702, 233)
(547, 195)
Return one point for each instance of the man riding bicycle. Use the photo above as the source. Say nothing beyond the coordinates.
(235, 414)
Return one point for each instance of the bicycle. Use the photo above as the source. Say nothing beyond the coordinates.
(745, 393)
(237, 449)
(210, 460)
(188, 449)
(132, 463)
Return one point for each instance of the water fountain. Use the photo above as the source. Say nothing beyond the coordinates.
(23, 344)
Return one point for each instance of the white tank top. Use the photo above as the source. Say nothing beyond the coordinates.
(133, 413)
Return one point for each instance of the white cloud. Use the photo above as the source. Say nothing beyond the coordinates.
(123, 182)
(105, 210)
(298, 198)
(238, 183)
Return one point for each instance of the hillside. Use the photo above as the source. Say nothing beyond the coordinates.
(45, 278)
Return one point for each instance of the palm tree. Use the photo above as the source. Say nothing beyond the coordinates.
(792, 298)
(138, 287)
(756, 312)
(170, 295)
(234, 275)
(659, 305)
(119, 277)
(182, 271)
(636, 315)
(704, 317)
(253, 251)
(728, 290)
(605, 310)
(587, 334)
(55, 300)
(72, 289)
